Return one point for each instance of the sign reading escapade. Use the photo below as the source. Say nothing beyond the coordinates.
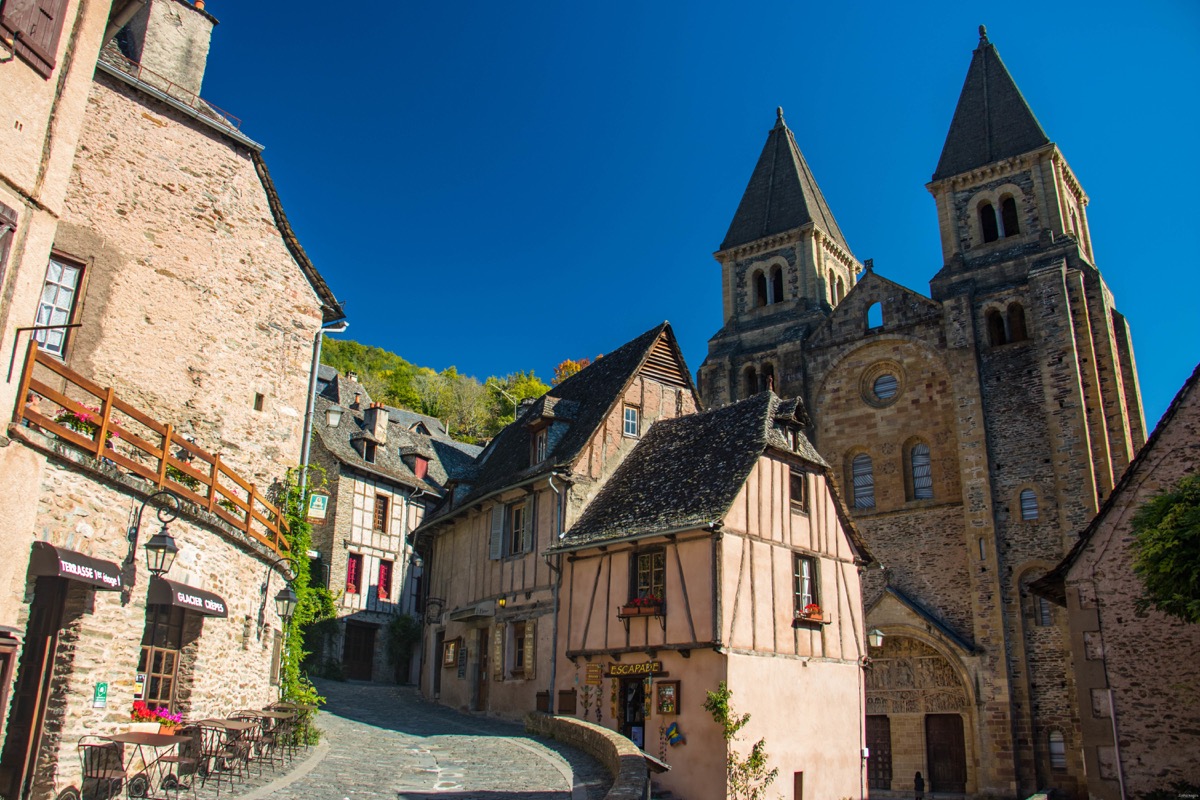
(617, 669)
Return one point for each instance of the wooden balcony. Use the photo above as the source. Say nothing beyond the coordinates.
(110, 429)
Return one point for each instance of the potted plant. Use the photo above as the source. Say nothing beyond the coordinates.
(143, 719)
(645, 605)
(168, 723)
(812, 612)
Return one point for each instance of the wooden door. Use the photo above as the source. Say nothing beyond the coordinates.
(946, 753)
(358, 651)
(483, 639)
(879, 743)
(24, 735)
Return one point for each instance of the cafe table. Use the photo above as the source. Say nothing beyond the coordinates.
(148, 751)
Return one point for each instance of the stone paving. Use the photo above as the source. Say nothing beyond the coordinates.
(386, 742)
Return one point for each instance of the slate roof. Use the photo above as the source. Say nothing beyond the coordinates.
(448, 459)
(782, 194)
(687, 471)
(992, 121)
(589, 394)
(1052, 585)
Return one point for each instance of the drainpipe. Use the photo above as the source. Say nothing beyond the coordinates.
(305, 445)
(557, 570)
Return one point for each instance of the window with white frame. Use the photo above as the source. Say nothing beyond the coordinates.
(540, 440)
(632, 421)
(57, 305)
(805, 588)
(649, 576)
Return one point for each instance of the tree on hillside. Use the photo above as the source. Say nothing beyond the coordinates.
(567, 368)
(1167, 550)
(507, 394)
(432, 392)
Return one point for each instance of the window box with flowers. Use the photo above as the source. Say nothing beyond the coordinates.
(648, 606)
(811, 614)
(154, 720)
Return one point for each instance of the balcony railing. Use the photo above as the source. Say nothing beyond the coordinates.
(142, 446)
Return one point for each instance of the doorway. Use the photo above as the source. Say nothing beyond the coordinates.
(481, 677)
(946, 753)
(879, 745)
(631, 710)
(436, 661)
(26, 721)
(358, 651)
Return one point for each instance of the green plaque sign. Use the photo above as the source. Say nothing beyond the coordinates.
(100, 695)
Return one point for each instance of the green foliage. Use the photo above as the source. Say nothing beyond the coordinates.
(1167, 550)
(314, 603)
(568, 367)
(403, 634)
(471, 412)
(747, 778)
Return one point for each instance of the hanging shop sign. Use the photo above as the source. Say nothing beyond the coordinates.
(173, 593)
(318, 504)
(594, 675)
(617, 669)
(58, 562)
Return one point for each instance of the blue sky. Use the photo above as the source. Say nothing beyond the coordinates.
(500, 186)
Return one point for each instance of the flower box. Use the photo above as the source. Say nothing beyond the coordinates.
(640, 610)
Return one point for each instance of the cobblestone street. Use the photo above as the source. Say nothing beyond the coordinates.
(384, 741)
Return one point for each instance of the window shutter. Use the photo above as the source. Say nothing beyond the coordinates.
(1029, 506)
(496, 542)
(498, 652)
(530, 521)
(922, 474)
(864, 481)
(36, 25)
(530, 637)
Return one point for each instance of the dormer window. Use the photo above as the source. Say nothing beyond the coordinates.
(541, 439)
(420, 467)
(420, 428)
(369, 452)
(633, 425)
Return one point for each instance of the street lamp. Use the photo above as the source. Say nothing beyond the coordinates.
(161, 549)
(285, 603)
(333, 415)
(875, 637)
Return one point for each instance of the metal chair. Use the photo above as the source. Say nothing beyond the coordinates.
(103, 766)
(185, 762)
(251, 743)
(217, 759)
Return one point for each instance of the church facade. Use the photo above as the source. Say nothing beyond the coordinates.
(975, 430)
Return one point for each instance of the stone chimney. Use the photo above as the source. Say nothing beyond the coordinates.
(170, 38)
(375, 422)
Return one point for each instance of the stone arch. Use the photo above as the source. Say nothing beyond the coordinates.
(994, 197)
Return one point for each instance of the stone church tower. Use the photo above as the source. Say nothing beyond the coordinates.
(976, 430)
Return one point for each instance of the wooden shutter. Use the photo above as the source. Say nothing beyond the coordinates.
(498, 651)
(36, 26)
(527, 532)
(496, 540)
(8, 230)
(530, 637)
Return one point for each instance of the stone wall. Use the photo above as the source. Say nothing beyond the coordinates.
(626, 764)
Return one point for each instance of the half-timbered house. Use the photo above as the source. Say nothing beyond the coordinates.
(720, 551)
(491, 593)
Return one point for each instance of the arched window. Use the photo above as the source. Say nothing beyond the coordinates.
(1008, 216)
(1016, 323)
(760, 290)
(768, 377)
(862, 475)
(875, 316)
(841, 289)
(1045, 615)
(995, 327)
(987, 222)
(921, 471)
(751, 381)
(1058, 750)
(777, 285)
(832, 288)
(1029, 504)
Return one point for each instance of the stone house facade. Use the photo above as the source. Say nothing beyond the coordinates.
(178, 312)
(491, 593)
(386, 468)
(1137, 678)
(973, 431)
(719, 551)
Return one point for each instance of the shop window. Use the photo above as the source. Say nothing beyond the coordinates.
(649, 575)
(805, 589)
(921, 472)
(777, 285)
(354, 568)
(862, 474)
(760, 290)
(1029, 504)
(517, 658)
(381, 513)
(1008, 216)
(57, 306)
(987, 222)
(384, 584)
(632, 421)
(1058, 750)
(798, 485)
(162, 646)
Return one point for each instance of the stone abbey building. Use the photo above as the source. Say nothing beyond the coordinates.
(975, 430)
